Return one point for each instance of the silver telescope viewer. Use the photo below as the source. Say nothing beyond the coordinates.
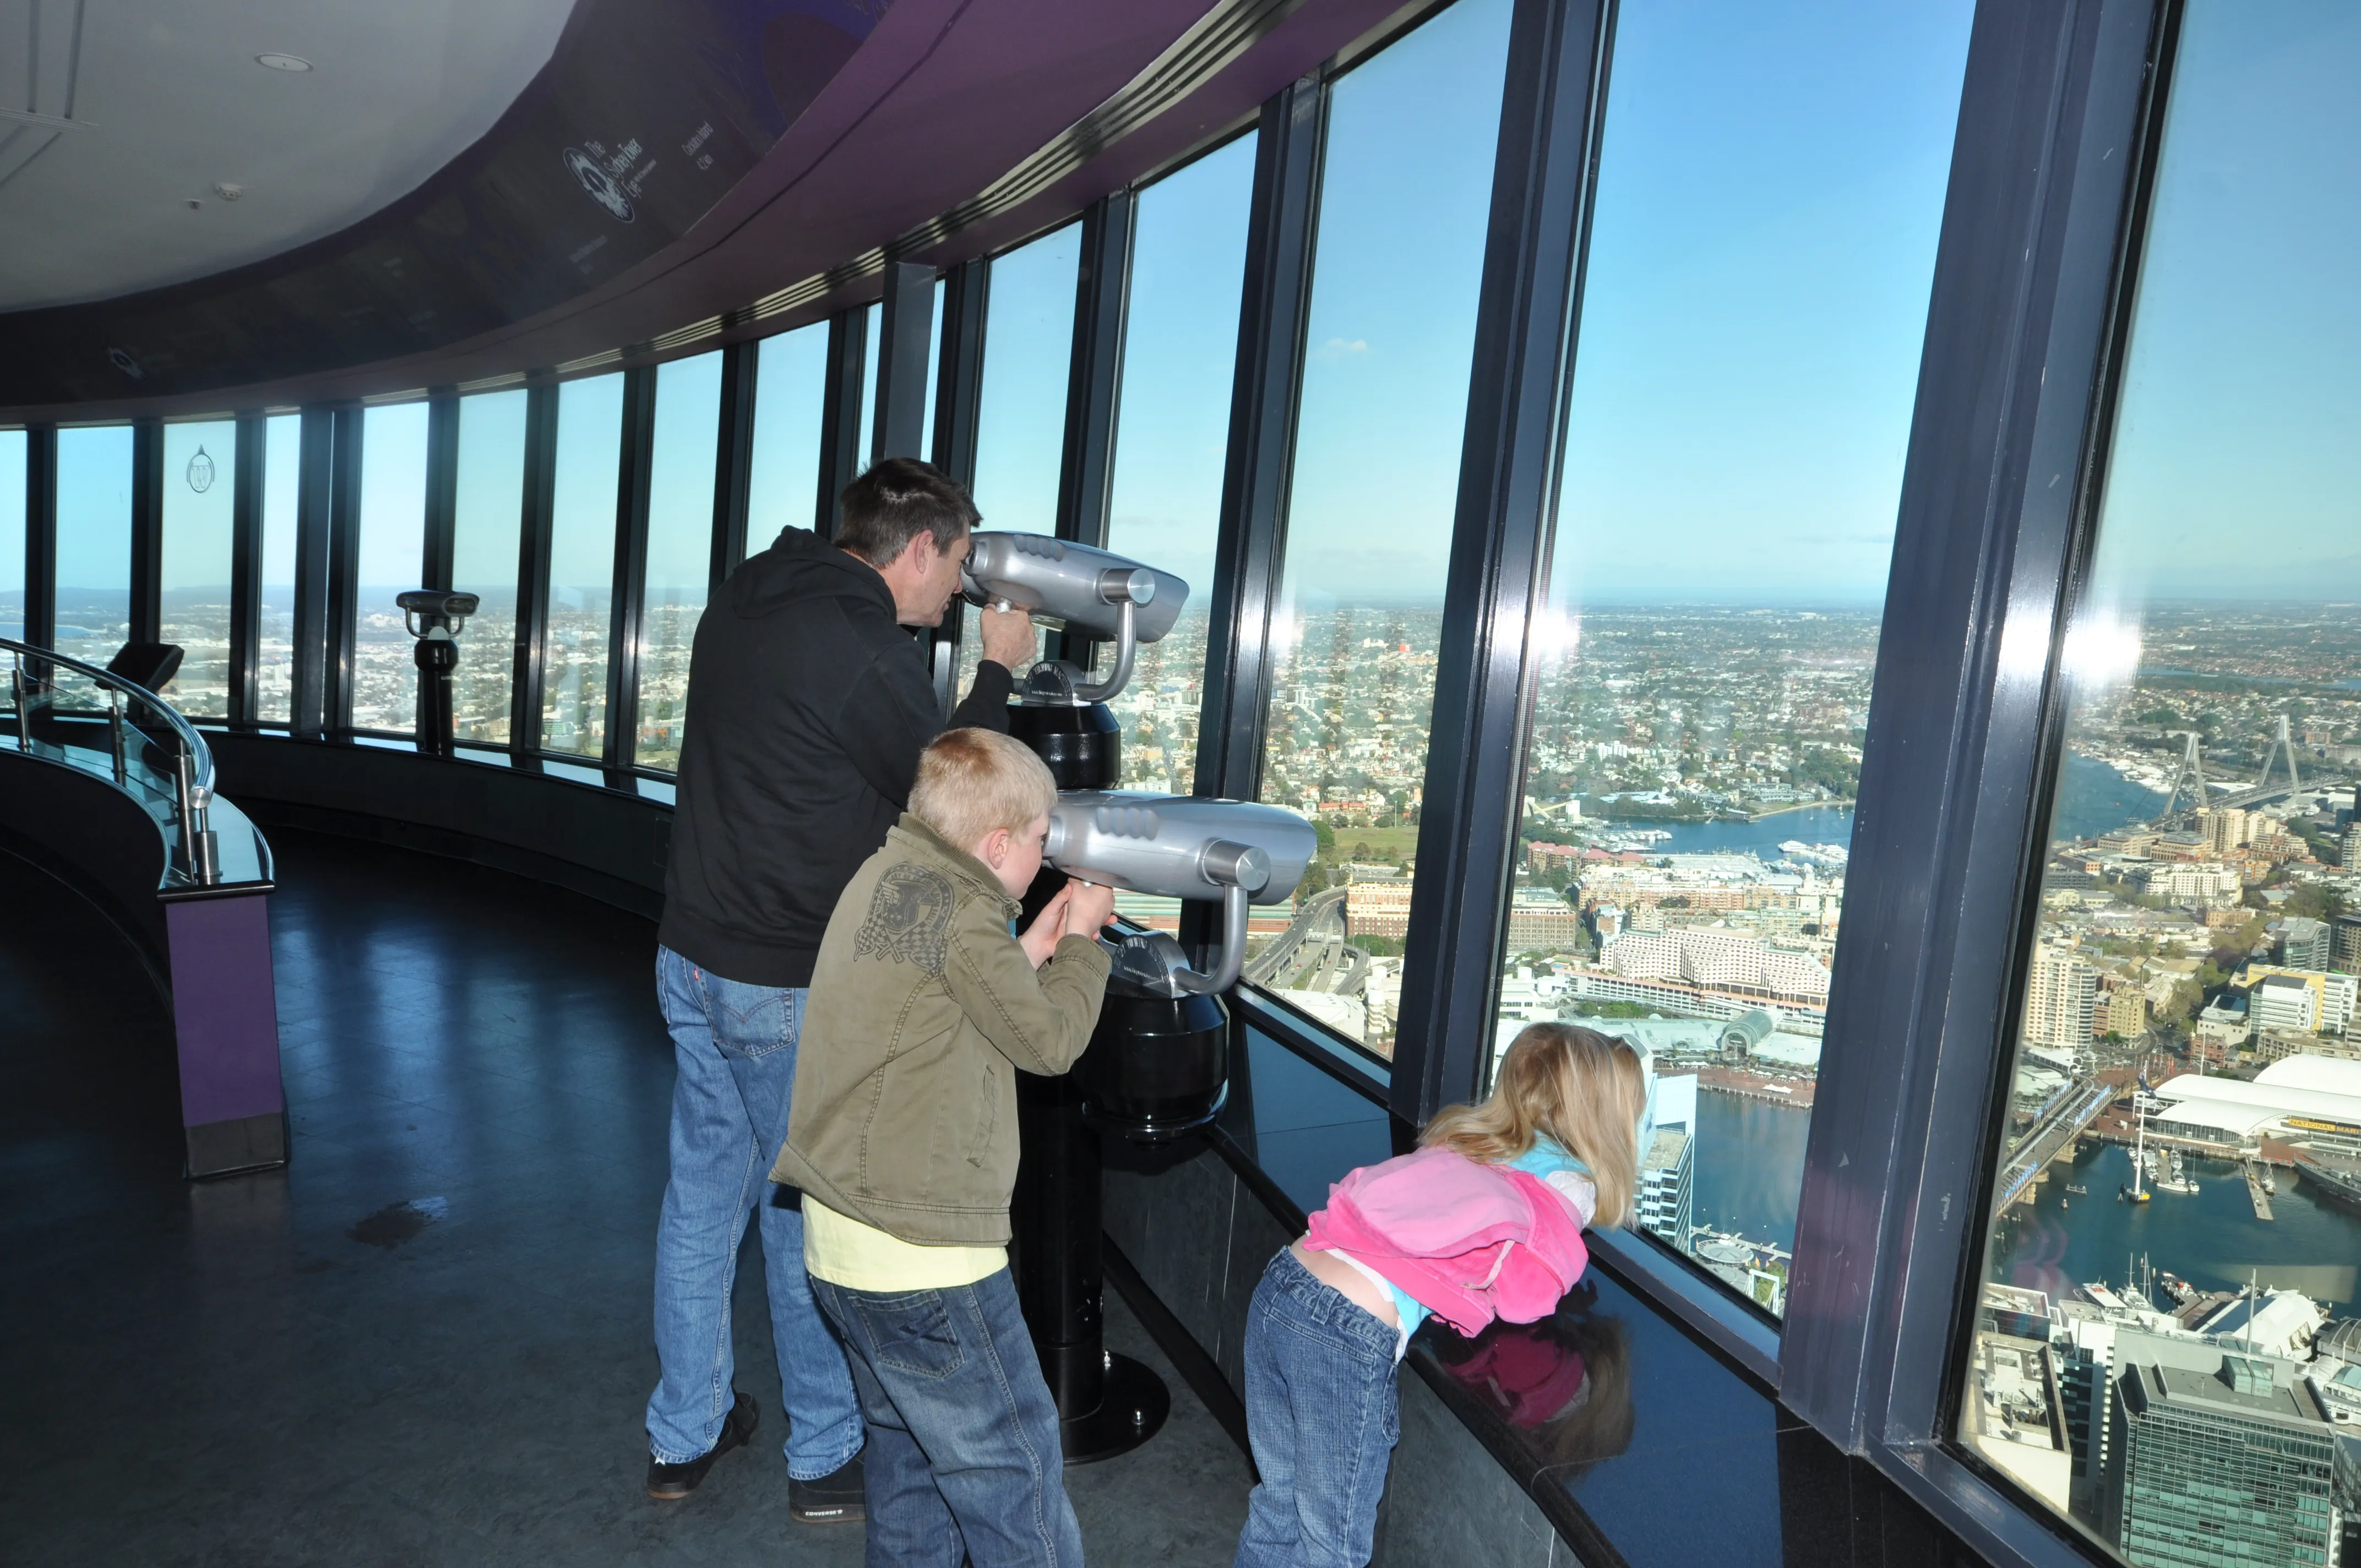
(1090, 590)
(1179, 846)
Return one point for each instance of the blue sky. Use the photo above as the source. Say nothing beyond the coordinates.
(2237, 469)
(1027, 351)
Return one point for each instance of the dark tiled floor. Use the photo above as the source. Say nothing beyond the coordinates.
(247, 1373)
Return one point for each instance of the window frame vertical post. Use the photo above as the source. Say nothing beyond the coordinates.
(1259, 466)
(534, 532)
(439, 539)
(41, 535)
(307, 711)
(902, 339)
(627, 591)
(147, 604)
(839, 434)
(2058, 122)
(733, 461)
(343, 569)
(248, 477)
(959, 402)
(1543, 180)
(1094, 376)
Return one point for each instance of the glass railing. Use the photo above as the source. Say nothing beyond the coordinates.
(63, 710)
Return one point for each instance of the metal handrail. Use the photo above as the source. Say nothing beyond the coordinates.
(192, 766)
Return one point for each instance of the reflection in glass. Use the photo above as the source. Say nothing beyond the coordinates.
(1741, 397)
(1404, 199)
(487, 514)
(200, 484)
(94, 591)
(581, 564)
(2178, 1198)
(392, 560)
(1180, 354)
(12, 534)
(274, 652)
(790, 385)
(680, 548)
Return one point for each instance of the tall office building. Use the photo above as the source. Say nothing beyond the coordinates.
(2345, 944)
(2235, 1466)
(1666, 1202)
(2304, 943)
(2061, 1003)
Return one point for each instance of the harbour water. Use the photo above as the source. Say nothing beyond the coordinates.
(1750, 1167)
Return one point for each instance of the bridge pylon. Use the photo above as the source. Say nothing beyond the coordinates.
(2189, 779)
(2282, 752)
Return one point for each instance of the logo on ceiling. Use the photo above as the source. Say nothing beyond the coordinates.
(200, 472)
(601, 183)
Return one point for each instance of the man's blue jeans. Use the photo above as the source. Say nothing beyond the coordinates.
(963, 1454)
(1322, 1417)
(736, 1048)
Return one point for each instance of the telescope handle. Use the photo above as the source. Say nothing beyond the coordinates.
(1125, 645)
(1233, 960)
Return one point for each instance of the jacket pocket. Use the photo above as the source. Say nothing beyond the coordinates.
(910, 1332)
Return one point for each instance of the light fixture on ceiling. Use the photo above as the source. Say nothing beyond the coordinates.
(283, 61)
(227, 191)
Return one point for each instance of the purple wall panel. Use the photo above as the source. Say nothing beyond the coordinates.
(225, 1009)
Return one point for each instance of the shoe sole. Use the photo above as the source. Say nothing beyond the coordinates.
(847, 1514)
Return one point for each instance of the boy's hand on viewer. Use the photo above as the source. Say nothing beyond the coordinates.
(1049, 927)
(1088, 907)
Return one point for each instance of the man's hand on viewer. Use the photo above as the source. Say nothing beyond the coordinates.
(1008, 636)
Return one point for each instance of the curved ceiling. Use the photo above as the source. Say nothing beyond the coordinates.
(122, 143)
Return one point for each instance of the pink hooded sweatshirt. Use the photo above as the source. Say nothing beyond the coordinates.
(1468, 1241)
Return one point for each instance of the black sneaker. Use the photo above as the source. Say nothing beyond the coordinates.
(840, 1498)
(670, 1483)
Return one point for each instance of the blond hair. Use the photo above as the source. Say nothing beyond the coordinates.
(972, 782)
(1584, 1088)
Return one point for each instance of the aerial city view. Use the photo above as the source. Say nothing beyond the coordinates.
(2171, 1269)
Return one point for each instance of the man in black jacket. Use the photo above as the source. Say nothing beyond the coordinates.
(808, 704)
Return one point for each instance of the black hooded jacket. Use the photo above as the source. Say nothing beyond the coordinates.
(808, 708)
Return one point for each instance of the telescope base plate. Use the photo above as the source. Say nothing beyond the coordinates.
(1132, 1410)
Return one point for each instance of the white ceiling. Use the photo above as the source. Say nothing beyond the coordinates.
(167, 100)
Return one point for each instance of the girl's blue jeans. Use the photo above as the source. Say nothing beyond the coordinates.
(1322, 1419)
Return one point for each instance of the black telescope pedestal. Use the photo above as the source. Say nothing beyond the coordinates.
(1157, 1067)
(436, 657)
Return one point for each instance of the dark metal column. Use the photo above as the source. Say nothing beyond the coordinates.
(308, 652)
(1261, 460)
(344, 568)
(959, 396)
(625, 611)
(532, 569)
(840, 440)
(902, 339)
(1542, 181)
(247, 479)
(146, 615)
(1095, 382)
(733, 464)
(441, 491)
(41, 535)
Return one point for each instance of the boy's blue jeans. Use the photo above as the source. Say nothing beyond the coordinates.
(963, 1453)
(1322, 1417)
(736, 1048)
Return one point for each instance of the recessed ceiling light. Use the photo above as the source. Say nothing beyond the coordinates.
(283, 61)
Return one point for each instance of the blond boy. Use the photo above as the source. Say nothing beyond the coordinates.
(903, 1139)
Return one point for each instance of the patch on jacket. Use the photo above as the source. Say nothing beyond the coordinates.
(907, 917)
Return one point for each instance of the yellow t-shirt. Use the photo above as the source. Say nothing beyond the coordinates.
(862, 1257)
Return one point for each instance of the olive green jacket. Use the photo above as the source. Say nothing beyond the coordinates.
(922, 1009)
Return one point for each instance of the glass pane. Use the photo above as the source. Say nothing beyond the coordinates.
(872, 327)
(488, 516)
(274, 652)
(392, 555)
(12, 534)
(2177, 1203)
(1180, 354)
(1029, 347)
(581, 564)
(680, 547)
(790, 383)
(93, 543)
(1770, 187)
(199, 482)
(1404, 201)
(1021, 408)
(934, 372)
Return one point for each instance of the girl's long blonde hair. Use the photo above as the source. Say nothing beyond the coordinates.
(1584, 1088)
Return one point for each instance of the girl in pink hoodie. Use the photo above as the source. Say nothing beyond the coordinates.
(1484, 1220)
